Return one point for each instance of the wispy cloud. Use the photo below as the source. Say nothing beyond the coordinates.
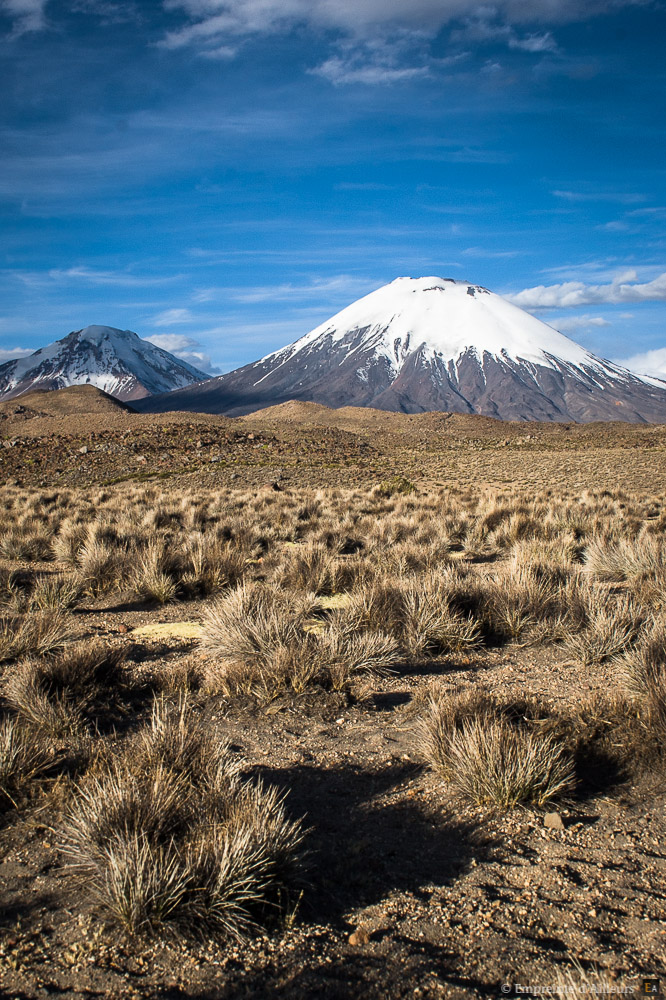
(647, 363)
(363, 186)
(567, 324)
(497, 254)
(213, 26)
(26, 15)
(355, 69)
(619, 197)
(185, 348)
(484, 27)
(623, 288)
(343, 285)
(12, 353)
(213, 18)
(172, 317)
(91, 276)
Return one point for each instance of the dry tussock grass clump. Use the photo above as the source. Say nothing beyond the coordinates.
(261, 642)
(429, 625)
(495, 763)
(102, 566)
(251, 621)
(70, 539)
(313, 568)
(611, 739)
(626, 559)
(643, 673)
(62, 695)
(170, 839)
(27, 547)
(211, 564)
(443, 713)
(378, 606)
(40, 633)
(612, 625)
(57, 591)
(552, 558)
(151, 578)
(490, 755)
(525, 600)
(342, 654)
(14, 590)
(22, 758)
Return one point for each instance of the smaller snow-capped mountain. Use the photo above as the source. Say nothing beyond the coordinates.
(117, 361)
(420, 344)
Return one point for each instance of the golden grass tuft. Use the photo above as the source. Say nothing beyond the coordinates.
(490, 755)
(170, 840)
(22, 758)
(40, 633)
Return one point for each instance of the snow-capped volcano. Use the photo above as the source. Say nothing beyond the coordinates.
(116, 361)
(430, 343)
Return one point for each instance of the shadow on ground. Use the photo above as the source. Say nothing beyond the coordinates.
(364, 843)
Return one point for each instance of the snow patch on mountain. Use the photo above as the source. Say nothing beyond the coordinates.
(444, 319)
(117, 361)
(421, 344)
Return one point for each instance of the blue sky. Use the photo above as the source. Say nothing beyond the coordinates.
(222, 175)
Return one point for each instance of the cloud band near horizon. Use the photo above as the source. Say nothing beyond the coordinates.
(572, 294)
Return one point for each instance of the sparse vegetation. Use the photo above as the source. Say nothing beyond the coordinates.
(39, 632)
(493, 762)
(489, 755)
(59, 695)
(311, 630)
(170, 837)
(22, 757)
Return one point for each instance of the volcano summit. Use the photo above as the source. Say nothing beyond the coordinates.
(116, 361)
(422, 344)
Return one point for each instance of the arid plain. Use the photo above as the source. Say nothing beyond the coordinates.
(336, 703)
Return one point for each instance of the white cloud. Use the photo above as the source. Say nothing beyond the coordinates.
(172, 342)
(484, 27)
(620, 197)
(220, 52)
(359, 17)
(648, 363)
(481, 252)
(356, 69)
(570, 294)
(568, 323)
(172, 317)
(212, 24)
(12, 353)
(87, 274)
(184, 348)
(341, 286)
(27, 15)
(199, 360)
(616, 226)
(534, 43)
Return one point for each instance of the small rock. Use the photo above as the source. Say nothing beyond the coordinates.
(122, 629)
(553, 821)
(359, 936)
(84, 450)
